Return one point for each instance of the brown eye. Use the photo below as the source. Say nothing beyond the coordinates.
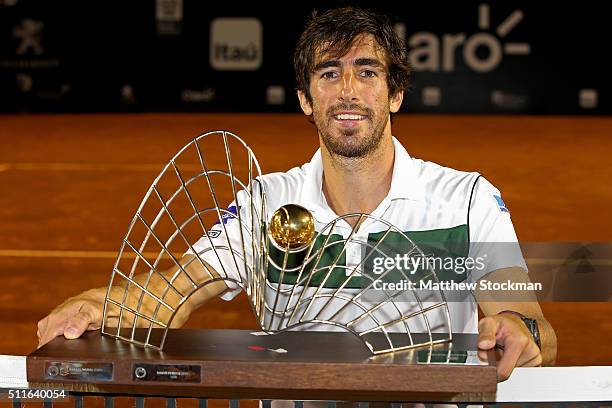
(368, 73)
(329, 75)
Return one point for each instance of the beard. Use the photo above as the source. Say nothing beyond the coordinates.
(351, 142)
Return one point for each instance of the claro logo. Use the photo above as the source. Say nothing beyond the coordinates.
(482, 51)
(236, 44)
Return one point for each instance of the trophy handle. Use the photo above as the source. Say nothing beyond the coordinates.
(183, 237)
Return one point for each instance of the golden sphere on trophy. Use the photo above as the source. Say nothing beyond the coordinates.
(292, 226)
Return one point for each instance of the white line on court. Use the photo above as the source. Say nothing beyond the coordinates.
(91, 167)
(34, 253)
(42, 253)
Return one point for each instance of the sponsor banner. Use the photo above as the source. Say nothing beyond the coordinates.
(186, 55)
(236, 44)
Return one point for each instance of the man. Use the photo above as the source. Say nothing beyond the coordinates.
(352, 71)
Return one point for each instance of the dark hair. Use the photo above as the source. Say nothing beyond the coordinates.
(335, 30)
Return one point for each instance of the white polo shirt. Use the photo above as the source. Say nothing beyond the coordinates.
(427, 202)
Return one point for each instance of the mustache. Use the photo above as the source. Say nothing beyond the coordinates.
(361, 109)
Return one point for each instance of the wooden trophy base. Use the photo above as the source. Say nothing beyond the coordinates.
(239, 364)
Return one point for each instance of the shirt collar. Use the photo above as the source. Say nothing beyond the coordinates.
(405, 182)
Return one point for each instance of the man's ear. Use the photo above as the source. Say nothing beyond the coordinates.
(396, 102)
(304, 104)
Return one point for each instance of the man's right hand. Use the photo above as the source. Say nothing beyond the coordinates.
(84, 311)
(73, 317)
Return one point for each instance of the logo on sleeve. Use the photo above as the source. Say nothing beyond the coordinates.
(231, 213)
(501, 204)
(212, 234)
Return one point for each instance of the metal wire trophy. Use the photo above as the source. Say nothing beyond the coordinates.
(184, 238)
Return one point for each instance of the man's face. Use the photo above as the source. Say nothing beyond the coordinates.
(350, 99)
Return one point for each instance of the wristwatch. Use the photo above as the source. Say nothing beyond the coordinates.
(532, 326)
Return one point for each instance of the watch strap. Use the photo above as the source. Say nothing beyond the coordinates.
(532, 325)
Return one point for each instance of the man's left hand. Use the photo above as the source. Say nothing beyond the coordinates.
(518, 349)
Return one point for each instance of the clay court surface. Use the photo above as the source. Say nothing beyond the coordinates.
(71, 183)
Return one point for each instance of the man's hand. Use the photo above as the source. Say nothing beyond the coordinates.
(508, 330)
(73, 317)
(518, 349)
(84, 311)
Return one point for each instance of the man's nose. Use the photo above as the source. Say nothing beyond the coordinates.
(348, 91)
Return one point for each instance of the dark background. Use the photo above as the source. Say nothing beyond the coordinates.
(155, 56)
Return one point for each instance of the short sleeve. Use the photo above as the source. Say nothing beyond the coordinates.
(493, 240)
(225, 247)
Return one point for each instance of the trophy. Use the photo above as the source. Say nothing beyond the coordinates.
(203, 229)
(205, 219)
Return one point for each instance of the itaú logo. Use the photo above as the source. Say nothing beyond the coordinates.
(482, 51)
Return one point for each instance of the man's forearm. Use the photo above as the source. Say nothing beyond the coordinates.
(156, 299)
(181, 289)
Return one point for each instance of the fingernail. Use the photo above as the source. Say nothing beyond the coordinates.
(72, 330)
